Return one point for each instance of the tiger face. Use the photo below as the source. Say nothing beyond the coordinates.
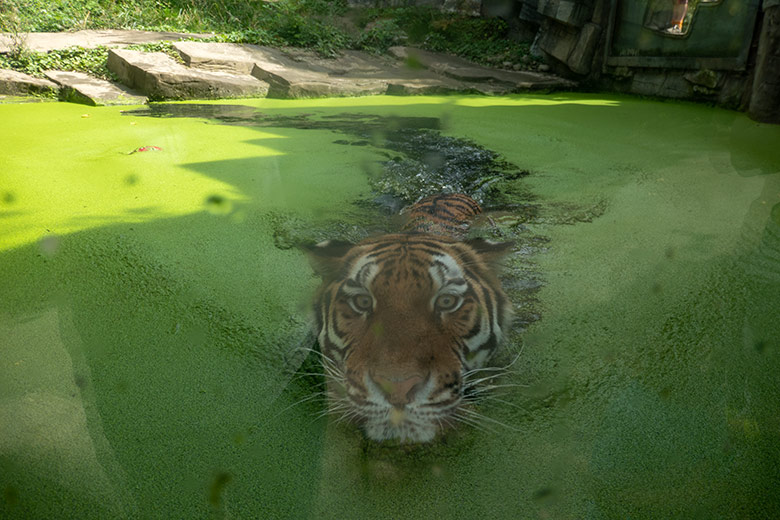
(400, 319)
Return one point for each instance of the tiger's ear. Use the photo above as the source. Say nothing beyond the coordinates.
(492, 253)
(327, 258)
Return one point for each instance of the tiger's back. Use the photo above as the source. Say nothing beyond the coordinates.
(444, 214)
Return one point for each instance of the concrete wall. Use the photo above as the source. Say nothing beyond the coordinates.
(574, 36)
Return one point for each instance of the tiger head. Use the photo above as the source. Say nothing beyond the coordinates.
(401, 319)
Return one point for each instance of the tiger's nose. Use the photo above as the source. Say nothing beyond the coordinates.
(398, 390)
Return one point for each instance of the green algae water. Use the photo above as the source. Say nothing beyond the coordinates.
(153, 333)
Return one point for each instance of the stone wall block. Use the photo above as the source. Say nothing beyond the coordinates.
(765, 97)
(569, 12)
(581, 56)
(658, 83)
(558, 40)
(703, 78)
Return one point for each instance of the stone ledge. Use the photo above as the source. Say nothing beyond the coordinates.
(18, 84)
(82, 88)
(464, 70)
(300, 73)
(157, 75)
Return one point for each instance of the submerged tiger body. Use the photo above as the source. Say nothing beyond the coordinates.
(401, 318)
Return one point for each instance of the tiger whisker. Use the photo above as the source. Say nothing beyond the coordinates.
(473, 423)
(491, 397)
(316, 395)
(493, 387)
(479, 416)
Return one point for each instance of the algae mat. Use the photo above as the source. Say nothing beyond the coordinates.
(150, 314)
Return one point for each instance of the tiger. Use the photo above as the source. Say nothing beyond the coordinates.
(401, 318)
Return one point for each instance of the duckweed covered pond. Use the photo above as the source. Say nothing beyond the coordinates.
(153, 330)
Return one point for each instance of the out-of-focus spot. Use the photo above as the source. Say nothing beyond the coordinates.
(378, 329)
(8, 198)
(132, 179)
(669, 253)
(11, 495)
(542, 493)
(413, 62)
(218, 205)
(775, 214)
(49, 245)
(217, 487)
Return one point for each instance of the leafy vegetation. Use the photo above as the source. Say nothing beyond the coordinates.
(91, 61)
(324, 25)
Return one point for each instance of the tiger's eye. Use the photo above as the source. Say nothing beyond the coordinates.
(363, 302)
(446, 302)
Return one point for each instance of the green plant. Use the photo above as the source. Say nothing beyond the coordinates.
(91, 61)
(381, 35)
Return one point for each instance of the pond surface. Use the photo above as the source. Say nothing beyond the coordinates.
(153, 308)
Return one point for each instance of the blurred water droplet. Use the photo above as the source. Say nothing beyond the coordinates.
(49, 245)
(775, 214)
(543, 492)
(218, 205)
(80, 381)
(413, 62)
(11, 495)
(221, 480)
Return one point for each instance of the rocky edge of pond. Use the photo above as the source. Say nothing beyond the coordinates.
(209, 70)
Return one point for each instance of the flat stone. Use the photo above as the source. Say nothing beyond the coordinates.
(17, 84)
(289, 74)
(464, 70)
(301, 73)
(78, 87)
(48, 41)
(159, 76)
(225, 57)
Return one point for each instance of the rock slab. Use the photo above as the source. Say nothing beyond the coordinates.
(289, 74)
(158, 76)
(300, 73)
(82, 88)
(464, 70)
(18, 84)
